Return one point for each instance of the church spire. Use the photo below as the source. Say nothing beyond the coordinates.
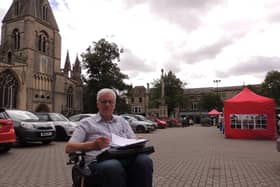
(67, 65)
(77, 69)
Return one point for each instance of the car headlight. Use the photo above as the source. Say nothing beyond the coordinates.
(71, 125)
(52, 125)
(27, 125)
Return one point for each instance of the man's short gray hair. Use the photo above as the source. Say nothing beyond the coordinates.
(106, 90)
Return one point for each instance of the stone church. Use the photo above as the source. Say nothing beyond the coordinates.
(31, 77)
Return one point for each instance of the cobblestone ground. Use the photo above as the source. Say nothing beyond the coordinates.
(191, 156)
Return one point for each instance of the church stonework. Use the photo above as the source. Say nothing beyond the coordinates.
(30, 60)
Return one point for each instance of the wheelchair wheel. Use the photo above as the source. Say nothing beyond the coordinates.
(76, 178)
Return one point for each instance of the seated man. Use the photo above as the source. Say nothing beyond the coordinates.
(94, 134)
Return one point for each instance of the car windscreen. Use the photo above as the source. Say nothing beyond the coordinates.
(140, 118)
(75, 118)
(58, 117)
(22, 115)
(42, 117)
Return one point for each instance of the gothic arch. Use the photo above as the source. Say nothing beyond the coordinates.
(43, 41)
(9, 86)
(42, 108)
(16, 39)
(69, 97)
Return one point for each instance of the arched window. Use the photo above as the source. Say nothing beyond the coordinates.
(45, 12)
(9, 57)
(16, 39)
(69, 98)
(16, 8)
(43, 42)
(8, 90)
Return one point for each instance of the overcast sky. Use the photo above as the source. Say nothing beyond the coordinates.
(235, 41)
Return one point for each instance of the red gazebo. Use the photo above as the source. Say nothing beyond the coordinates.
(213, 112)
(250, 116)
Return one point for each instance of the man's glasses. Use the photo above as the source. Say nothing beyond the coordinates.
(104, 102)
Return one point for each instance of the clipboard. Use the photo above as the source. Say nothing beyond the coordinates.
(114, 153)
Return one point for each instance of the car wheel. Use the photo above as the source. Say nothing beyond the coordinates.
(5, 147)
(140, 129)
(46, 142)
(19, 141)
(61, 134)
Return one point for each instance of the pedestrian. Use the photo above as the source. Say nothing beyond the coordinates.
(94, 134)
(191, 121)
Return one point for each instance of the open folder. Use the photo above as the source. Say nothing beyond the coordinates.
(113, 153)
(124, 143)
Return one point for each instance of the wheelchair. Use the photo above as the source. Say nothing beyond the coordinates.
(80, 170)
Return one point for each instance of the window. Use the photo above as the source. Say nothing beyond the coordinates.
(194, 106)
(8, 90)
(9, 57)
(43, 42)
(248, 121)
(45, 12)
(136, 109)
(16, 8)
(16, 39)
(69, 98)
(140, 99)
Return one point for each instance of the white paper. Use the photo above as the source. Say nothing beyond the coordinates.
(118, 141)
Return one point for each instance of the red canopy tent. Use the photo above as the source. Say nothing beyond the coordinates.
(213, 112)
(250, 116)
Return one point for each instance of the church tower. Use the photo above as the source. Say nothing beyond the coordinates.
(30, 61)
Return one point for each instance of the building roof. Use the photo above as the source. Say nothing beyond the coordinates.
(31, 8)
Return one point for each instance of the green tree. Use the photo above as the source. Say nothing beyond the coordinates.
(174, 92)
(271, 86)
(211, 100)
(101, 64)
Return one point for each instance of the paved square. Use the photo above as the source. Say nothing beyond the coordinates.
(191, 156)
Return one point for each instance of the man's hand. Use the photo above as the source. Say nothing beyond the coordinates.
(101, 142)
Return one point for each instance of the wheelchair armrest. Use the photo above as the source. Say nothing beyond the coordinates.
(78, 160)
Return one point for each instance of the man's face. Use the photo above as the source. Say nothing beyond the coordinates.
(106, 105)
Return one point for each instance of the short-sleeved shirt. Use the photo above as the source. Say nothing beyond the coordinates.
(92, 127)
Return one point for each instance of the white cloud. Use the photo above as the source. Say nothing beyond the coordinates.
(233, 40)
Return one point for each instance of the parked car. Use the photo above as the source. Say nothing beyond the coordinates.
(160, 123)
(79, 117)
(171, 122)
(27, 126)
(136, 125)
(142, 118)
(7, 134)
(64, 127)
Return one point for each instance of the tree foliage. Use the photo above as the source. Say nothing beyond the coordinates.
(174, 92)
(211, 100)
(102, 71)
(271, 86)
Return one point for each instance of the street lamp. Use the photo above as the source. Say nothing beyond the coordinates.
(217, 81)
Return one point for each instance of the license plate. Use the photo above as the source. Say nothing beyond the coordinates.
(46, 133)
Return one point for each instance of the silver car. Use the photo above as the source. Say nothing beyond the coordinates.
(138, 126)
(28, 128)
(79, 117)
(64, 127)
(142, 118)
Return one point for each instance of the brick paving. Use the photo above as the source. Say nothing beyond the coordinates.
(192, 156)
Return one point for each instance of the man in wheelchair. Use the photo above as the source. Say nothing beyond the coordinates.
(93, 135)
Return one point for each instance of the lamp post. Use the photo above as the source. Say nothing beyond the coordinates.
(217, 81)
